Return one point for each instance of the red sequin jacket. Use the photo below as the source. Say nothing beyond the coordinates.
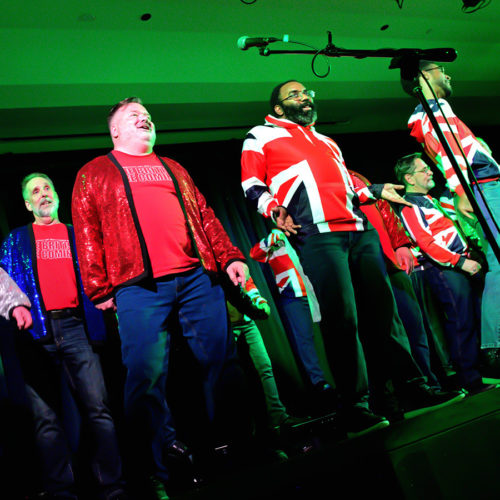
(391, 232)
(110, 245)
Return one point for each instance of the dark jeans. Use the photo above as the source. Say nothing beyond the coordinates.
(143, 314)
(411, 315)
(248, 332)
(452, 291)
(71, 352)
(350, 280)
(298, 325)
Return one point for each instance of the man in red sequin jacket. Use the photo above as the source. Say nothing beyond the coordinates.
(149, 245)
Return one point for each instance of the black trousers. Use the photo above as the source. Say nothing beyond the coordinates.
(350, 280)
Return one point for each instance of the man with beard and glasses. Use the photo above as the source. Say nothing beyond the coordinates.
(298, 177)
(41, 259)
(487, 172)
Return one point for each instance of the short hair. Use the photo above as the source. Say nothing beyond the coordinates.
(275, 96)
(119, 105)
(409, 85)
(24, 182)
(405, 166)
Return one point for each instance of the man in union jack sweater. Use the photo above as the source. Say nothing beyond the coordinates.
(298, 177)
(436, 87)
(442, 267)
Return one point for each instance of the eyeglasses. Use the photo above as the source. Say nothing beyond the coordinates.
(440, 68)
(425, 170)
(296, 94)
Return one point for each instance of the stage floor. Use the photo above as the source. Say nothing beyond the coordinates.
(450, 453)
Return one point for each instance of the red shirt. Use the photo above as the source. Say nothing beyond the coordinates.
(56, 273)
(160, 214)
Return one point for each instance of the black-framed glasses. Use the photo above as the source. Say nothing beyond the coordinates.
(440, 68)
(296, 94)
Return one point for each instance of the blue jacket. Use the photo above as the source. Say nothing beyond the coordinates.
(18, 258)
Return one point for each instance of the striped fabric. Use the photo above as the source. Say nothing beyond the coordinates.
(434, 235)
(481, 161)
(285, 164)
(273, 250)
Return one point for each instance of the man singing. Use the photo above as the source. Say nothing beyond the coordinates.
(150, 246)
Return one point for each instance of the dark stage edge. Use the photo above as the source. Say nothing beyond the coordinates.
(450, 453)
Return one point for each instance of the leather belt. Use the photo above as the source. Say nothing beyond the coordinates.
(64, 313)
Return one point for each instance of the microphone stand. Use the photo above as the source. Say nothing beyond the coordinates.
(409, 73)
(407, 60)
(332, 50)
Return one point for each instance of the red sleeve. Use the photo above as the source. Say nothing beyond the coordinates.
(225, 252)
(258, 253)
(395, 228)
(89, 240)
(253, 177)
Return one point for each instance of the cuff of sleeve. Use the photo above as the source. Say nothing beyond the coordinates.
(460, 262)
(376, 190)
(103, 299)
(229, 262)
(269, 212)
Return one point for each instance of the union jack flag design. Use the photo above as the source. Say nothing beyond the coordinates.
(433, 234)
(285, 164)
(483, 164)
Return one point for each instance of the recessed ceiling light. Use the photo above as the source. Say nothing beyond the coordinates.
(146, 17)
(86, 17)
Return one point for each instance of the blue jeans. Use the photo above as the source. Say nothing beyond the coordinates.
(490, 312)
(143, 312)
(452, 291)
(71, 351)
(298, 325)
(411, 316)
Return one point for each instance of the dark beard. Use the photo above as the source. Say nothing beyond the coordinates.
(295, 113)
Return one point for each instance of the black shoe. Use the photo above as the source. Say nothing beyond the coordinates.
(490, 363)
(157, 489)
(388, 406)
(361, 421)
(180, 463)
(292, 422)
(422, 399)
(478, 387)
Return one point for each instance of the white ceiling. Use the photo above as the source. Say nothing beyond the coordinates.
(65, 62)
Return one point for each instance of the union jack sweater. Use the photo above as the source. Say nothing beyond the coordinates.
(273, 250)
(433, 234)
(481, 161)
(286, 164)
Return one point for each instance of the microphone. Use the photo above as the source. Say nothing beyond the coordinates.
(439, 55)
(245, 42)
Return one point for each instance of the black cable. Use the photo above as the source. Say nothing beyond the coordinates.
(319, 52)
